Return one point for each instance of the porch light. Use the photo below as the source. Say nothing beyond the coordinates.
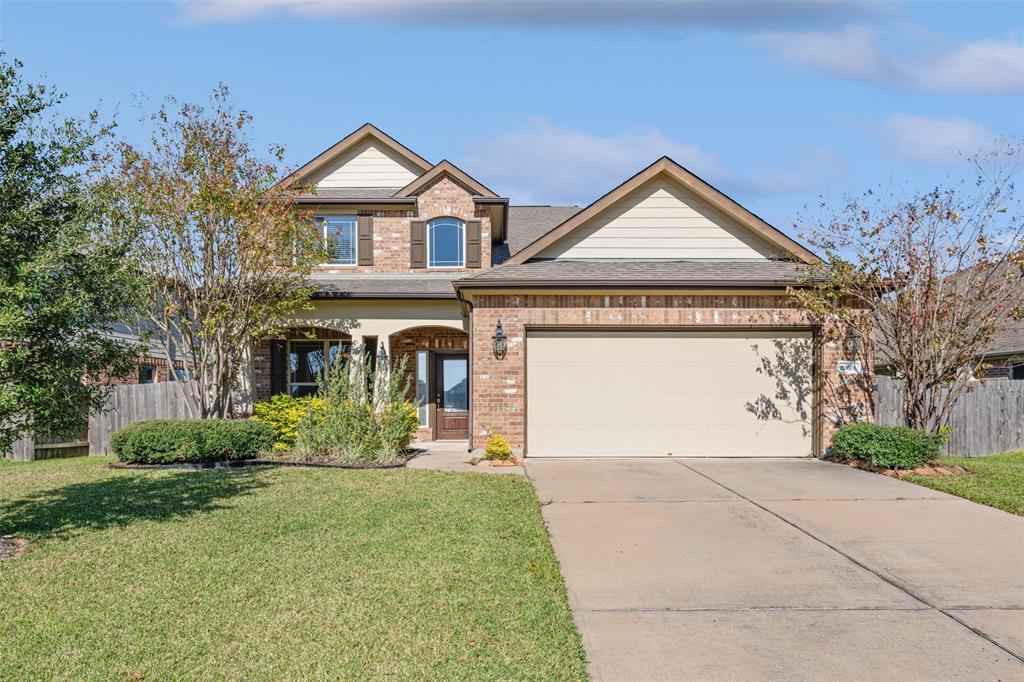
(382, 356)
(851, 342)
(499, 341)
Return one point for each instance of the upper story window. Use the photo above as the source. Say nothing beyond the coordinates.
(446, 243)
(340, 234)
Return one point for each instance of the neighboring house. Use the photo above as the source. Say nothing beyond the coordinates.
(653, 322)
(1004, 357)
(152, 367)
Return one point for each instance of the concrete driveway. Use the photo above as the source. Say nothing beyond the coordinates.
(690, 569)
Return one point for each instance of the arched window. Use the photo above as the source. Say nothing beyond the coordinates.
(446, 243)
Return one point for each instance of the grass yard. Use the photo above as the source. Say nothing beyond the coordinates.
(997, 481)
(278, 573)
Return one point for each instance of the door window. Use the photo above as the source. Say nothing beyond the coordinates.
(456, 384)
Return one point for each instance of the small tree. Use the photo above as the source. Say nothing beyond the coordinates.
(225, 249)
(926, 280)
(64, 275)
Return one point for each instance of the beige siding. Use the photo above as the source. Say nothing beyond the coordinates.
(691, 394)
(659, 220)
(368, 165)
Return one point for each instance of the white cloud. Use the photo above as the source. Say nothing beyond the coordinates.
(987, 66)
(852, 51)
(936, 141)
(982, 67)
(540, 162)
(729, 14)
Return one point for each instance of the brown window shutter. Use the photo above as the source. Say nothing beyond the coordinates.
(365, 242)
(278, 365)
(418, 244)
(473, 249)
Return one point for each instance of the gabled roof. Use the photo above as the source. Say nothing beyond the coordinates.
(445, 167)
(346, 143)
(669, 168)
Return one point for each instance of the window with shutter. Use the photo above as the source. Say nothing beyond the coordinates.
(340, 234)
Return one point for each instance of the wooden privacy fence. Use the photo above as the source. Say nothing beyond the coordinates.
(134, 403)
(988, 418)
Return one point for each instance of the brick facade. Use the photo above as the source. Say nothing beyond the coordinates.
(498, 397)
(443, 198)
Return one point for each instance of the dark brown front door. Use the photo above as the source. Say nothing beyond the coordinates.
(451, 395)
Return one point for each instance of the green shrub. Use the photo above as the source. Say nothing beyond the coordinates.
(365, 417)
(497, 447)
(889, 447)
(283, 413)
(191, 440)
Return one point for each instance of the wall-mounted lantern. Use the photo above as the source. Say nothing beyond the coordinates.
(851, 342)
(499, 341)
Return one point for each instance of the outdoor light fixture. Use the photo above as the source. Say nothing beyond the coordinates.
(851, 342)
(499, 341)
(382, 356)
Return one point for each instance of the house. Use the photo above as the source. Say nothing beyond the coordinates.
(152, 367)
(653, 322)
(1004, 357)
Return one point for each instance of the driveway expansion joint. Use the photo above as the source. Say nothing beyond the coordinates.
(898, 584)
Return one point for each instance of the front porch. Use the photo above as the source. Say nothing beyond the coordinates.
(436, 358)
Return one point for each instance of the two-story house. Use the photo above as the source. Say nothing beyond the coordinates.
(638, 325)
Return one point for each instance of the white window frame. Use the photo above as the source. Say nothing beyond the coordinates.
(430, 254)
(423, 402)
(325, 345)
(329, 239)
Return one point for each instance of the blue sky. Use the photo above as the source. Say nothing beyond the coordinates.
(776, 103)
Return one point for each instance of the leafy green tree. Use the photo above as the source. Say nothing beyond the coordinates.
(225, 248)
(64, 274)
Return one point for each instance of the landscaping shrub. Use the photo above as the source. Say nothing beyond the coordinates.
(889, 447)
(497, 447)
(364, 418)
(283, 413)
(191, 440)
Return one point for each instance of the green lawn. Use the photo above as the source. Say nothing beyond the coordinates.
(278, 573)
(997, 481)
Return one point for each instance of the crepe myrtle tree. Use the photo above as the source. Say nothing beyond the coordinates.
(925, 279)
(226, 250)
(64, 275)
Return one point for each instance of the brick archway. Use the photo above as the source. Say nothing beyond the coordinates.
(408, 342)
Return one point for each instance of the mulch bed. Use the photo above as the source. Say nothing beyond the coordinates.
(11, 547)
(480, 462)
(924, 470)
(324, 464)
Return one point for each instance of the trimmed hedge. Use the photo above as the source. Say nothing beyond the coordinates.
(889, 447)
(166, 441)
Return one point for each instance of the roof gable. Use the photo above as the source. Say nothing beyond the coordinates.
(445, 167)
(367, 157)
(687, 212)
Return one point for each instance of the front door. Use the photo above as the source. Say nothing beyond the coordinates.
(451, 395)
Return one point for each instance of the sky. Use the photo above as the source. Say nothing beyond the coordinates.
(779, 104)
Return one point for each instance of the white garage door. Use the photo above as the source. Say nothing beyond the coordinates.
(686, 394)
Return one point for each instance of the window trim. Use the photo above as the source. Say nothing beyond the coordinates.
(323, 220)
(430, 225)
(325, 348)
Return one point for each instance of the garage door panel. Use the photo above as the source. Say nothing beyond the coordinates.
(621, 393)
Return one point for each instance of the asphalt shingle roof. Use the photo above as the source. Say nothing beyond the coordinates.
(351, 193)
(383, 286)
(527, 224)
(654, 271)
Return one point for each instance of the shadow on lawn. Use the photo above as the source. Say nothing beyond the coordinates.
(122, 500)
